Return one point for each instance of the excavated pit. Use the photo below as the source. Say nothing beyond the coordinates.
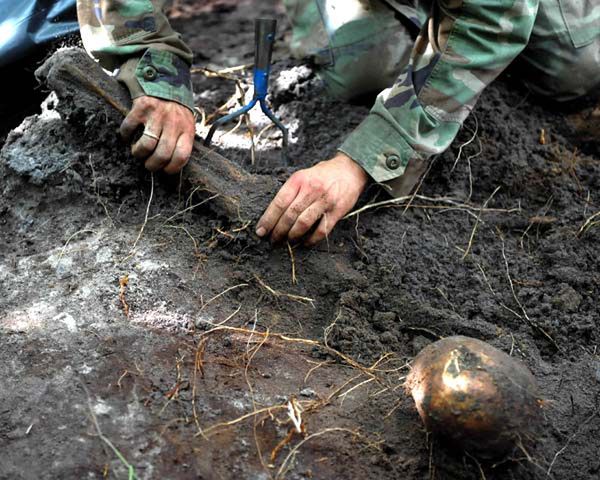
(160, 382)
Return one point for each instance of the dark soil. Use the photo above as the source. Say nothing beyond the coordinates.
(80, 377)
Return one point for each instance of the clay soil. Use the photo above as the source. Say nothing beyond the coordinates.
(185, 350)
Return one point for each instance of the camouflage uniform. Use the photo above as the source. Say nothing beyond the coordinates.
(135, 36)
(459, 49)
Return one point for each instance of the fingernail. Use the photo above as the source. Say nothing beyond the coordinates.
(261, 231)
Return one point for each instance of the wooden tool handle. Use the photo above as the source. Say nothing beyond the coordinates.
(241, 196)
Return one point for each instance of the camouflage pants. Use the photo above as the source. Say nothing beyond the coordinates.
(361, 46)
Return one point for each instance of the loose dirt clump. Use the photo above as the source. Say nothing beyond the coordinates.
(146, 333)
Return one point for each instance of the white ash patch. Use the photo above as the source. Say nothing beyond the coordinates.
(101, 408)
(145, 266)
(34, 317)
(290, 78)
(68, 320)
(163, 319)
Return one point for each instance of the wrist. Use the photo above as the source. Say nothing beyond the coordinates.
(355, 169)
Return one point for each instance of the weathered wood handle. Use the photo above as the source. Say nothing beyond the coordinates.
(241, 196)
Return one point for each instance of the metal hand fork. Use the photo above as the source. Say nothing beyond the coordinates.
(265, 29)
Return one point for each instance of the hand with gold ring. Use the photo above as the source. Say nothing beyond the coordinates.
(168, 137)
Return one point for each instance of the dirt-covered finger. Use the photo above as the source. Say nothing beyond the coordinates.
(146, 144)
(130, 124)
(304, 199)
(181, 154)
(164, 151)
(305, 222)
(277, 207)
(326, 225)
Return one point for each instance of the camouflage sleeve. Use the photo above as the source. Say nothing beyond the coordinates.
(462, 48)
(135, 37)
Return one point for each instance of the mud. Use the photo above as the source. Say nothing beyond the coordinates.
(79, 375)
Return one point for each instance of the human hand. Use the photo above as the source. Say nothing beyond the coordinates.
(169, 130)
(323, 193)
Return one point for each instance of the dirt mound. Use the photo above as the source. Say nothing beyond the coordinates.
(108, 328)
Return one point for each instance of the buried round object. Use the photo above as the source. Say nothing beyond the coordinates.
(475, 395)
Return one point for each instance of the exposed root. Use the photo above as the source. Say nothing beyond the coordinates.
(191, 207)
(423, 177)
(220, 426)
(467, 143)
(432, 466)
(64, 248)
(198, 367)
(179, 383)
(524, 315)
(277, 294)
(131, 475)
(250, 354)
(454, 205)
(293, 260)
(375, 371)
(123, 282)
(227, 290)
(316, 367)
(570, 439)
(191, 237)
(141, 232)
(329, 328)
(283, 443)
(470, 244)
(97, 192)
(481, 473)
(287, 462)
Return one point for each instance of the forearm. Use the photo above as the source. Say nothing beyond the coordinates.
(135, 36)
(456, 56)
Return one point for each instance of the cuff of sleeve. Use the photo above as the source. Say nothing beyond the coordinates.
(377, 147)
(160, 74)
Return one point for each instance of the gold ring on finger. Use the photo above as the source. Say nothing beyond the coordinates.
(151, 135)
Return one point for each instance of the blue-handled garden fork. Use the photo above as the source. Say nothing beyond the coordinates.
(265, 30)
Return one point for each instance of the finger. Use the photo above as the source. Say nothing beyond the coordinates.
(181, 154)
(144, 147)
(280, 203)
(288, 218)
(307, 219)
(132, 122)
(322, 232)
(163, 152)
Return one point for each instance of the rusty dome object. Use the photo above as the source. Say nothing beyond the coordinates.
(475, 395)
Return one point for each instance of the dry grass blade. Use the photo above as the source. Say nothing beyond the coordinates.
(589, 223)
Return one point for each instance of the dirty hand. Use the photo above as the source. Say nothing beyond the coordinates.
(323, 193)
(168, 137)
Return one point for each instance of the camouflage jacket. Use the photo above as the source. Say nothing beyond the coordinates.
(135, 37)
(462, 47)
